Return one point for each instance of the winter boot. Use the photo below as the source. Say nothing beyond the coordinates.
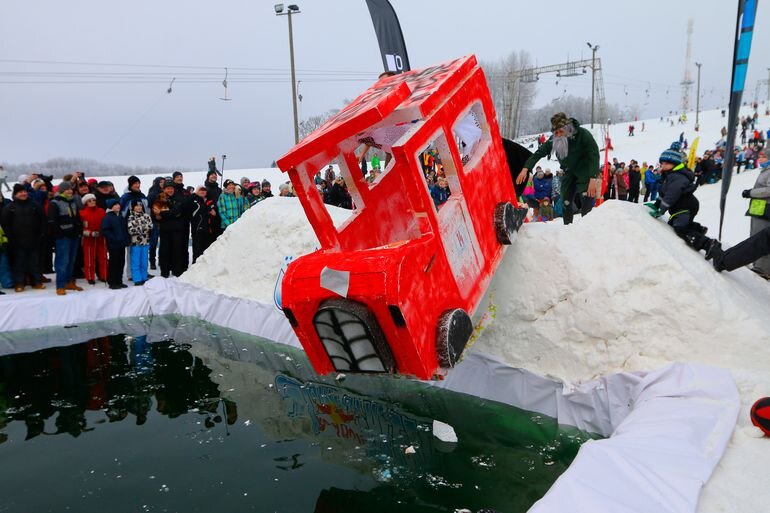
(39, 286)
(72, 286)
(19, 288)
(61, 292)
(715, 253)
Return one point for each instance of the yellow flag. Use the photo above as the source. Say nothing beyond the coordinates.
(691, 156)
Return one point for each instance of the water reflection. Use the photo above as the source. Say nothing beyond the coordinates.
(220, 420)
(116, 375)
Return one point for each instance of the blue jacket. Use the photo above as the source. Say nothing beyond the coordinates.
(439, 195)
(127, 198)
(543, 187)
(114, 230)
(650, 177)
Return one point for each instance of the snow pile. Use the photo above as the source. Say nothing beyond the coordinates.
(618, 291)
(245, 260)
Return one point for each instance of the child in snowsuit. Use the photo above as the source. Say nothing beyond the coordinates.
(676, 197)
(139, 228)
(546, 210)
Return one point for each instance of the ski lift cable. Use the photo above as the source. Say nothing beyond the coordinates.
(136, 123)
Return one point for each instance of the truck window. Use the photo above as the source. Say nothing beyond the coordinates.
(471, 133)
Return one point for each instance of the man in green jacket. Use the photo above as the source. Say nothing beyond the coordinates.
(578, 156)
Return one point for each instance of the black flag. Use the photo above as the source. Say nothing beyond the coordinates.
(389, 36)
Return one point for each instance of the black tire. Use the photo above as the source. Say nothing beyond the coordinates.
(347, 351)
(507, 221)
(452, 334)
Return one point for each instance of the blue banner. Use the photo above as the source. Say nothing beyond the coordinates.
(744, 31)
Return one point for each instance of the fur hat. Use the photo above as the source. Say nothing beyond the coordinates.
(559, 120)
(88, 197)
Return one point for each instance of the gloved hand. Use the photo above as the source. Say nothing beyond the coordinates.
(746, 193)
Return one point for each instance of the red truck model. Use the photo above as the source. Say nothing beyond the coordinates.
(393, 288)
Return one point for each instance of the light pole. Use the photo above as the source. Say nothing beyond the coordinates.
(291, 9)
(697, 99)
(593, 78)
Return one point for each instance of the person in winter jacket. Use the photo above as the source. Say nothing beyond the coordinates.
(339, 196)
(651, 183)
(115, 232)
(94, 245)
(152, 195)
(134, 194)
(204, 215)
(105, 191)
(546, 210)
(266, 189)
(231, 206)
(24, 223)
(543, 186)
(174, 218)
(634, 183)
(578, 156)
(139, 226)
(757, 247)
(620, 183)
(64, 224)
(677, 198)
(440, 192)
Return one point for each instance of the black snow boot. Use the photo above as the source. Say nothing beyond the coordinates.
(715, 253)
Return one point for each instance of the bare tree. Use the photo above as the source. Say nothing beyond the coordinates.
(511, 95)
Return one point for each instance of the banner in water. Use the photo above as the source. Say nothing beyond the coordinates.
(389, 36)
(744, 30)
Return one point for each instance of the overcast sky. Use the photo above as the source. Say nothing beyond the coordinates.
(642, 47)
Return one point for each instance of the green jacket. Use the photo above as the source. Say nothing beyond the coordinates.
(581, 163)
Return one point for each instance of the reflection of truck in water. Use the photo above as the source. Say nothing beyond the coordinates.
(393, 288)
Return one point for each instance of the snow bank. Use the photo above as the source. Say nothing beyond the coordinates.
(619, 291)
(244, 262)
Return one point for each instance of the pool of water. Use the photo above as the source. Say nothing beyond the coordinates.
(192, 417)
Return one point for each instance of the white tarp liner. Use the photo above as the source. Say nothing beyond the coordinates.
(667, 429)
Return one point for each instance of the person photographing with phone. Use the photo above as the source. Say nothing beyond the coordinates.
(578, 156)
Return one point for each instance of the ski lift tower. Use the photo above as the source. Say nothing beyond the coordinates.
(687, 81)
(564, 70)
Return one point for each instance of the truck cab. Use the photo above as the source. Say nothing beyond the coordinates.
(392, 289)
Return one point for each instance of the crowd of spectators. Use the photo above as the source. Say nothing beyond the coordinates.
(83, 229)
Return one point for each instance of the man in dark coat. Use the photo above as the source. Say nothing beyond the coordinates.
(516, 155)
(115, 232)
(634, 183)
(213, 191)
(65, 226)
(578, 156)
(24, 224)
(105, 191)
(174, 233)
(204, 213)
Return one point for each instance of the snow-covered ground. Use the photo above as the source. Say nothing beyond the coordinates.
(615, 291)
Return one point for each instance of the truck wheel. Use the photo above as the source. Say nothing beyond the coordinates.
(352, 337)
(508, 220)
(452, 335)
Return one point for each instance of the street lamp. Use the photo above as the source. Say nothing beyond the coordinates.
(279, 11)
(697, 99)
(594, 49)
